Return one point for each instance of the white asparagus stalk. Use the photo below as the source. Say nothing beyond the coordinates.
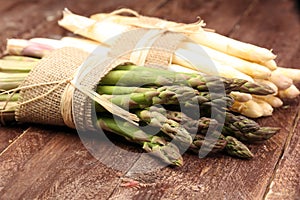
(241, 97)
(24, 47)
(250, 109)
(290, 93)
(104, 32)
(9, 85)
(252, 69)
(281, 81)
(19, 58)
(86, 45)
(55, 44)
(179, 68)
(135, 20)
(197, 62)
(293, 74)
(265, 106)
(16, 66)
(12, 76)
(208, 38)
(233, 47)
(271, 64)
(9, 106)
(275, 102)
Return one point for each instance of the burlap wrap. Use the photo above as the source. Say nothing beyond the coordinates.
(61, 66)
(156, 51)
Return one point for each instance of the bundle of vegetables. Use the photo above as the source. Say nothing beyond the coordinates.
(253, 86)
(174, 91)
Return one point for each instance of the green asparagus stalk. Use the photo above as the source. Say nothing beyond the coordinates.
(4, 86)
(130, 75)
(20, 58)
(208, 146)
(167, 152)
(9, 97)
(15, 66)
(237, 148)
(118, 90)
(245, 129)
(171, 128)
(199, 126)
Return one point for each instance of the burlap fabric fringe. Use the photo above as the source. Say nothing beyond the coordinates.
(70, 99)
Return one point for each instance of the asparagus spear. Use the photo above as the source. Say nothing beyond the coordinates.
(16, 66)
(20, 58)
(237, 148)
(130, 75)
(168, 152)
(199, 126)
(246, 129)
(207, 145)
(171, 128)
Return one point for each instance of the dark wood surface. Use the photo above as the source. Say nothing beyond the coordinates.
(42, 162)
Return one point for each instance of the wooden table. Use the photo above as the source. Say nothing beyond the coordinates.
(43, 162)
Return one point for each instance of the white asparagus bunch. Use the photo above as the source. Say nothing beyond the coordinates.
(231, 58)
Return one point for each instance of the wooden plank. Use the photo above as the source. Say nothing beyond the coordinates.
(286, 182)
(217, 14)
(89, 7)
(223, 177)
(8, 5)
(46, 163)
(8, 135)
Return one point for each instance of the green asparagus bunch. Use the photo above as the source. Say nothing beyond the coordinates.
(158, 97)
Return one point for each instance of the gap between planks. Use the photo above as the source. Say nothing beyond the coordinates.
(15, 140)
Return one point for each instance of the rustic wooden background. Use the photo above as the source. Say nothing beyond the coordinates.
(42, 162)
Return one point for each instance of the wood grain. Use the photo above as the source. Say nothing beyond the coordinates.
(47, 163)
